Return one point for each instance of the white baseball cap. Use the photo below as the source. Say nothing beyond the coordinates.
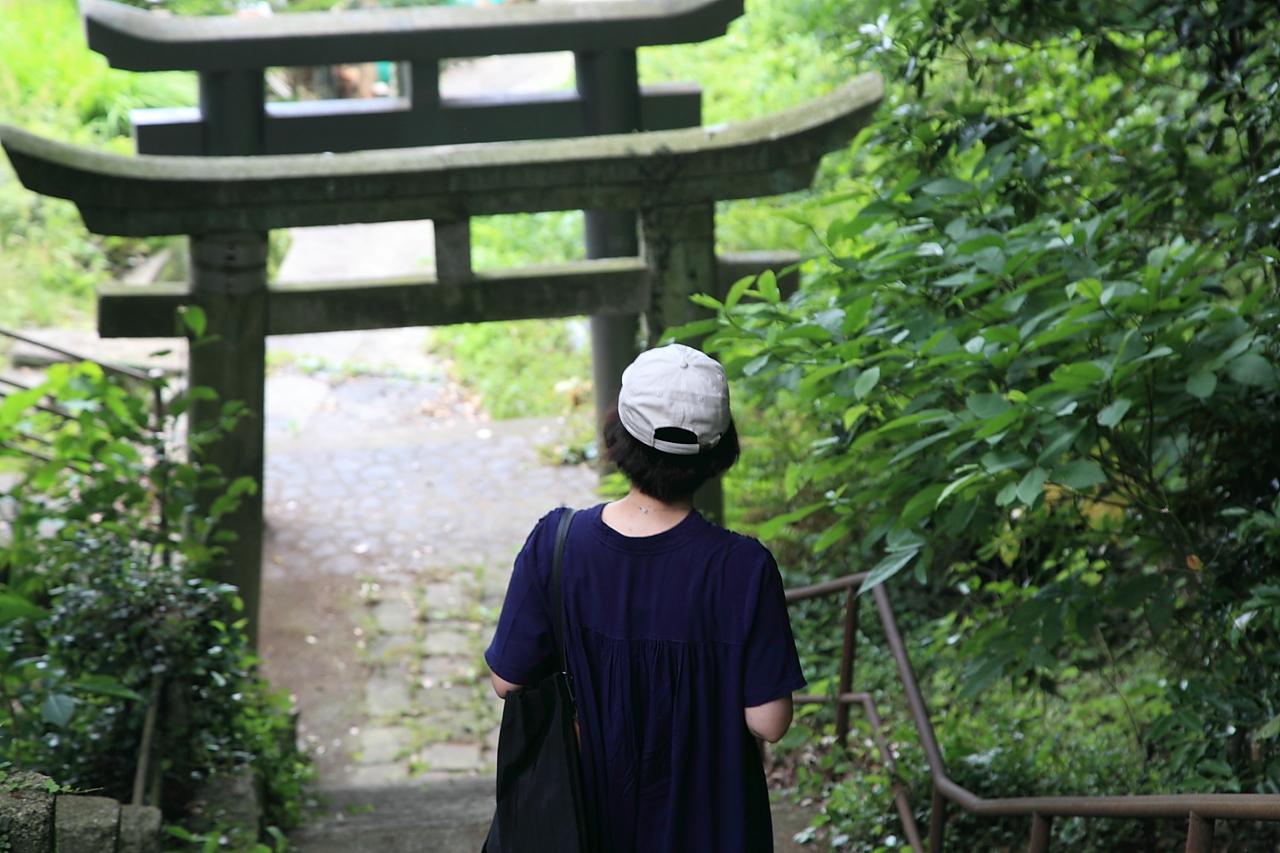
(675, 387)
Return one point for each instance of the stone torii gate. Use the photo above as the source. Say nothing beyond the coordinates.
(226, 205)
(230, 54)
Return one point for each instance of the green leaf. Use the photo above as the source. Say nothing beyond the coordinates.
(957, 485)
(903, 539)
(853, 414)
(866, 382)
(986, 241)
(694, 329)
(886, 568)
(921, 505)
(755, 365)
(1201, 384)
(1079, 375)
(1251, 368)
(767, 284)
(105, 685)
(918, 445)
(735, 292)
(773, 526)
(946, 186)
(987, 405)
(13, 607)
(796, 476)
(1111, 415)
(193, 319)
(996, 461)
(706, 301)
(1079, 474)
(999, 423)
(832, 535)
(1269, 730)
(1032, 485)
(57, 708)
(1089, 288)
(1007, 494)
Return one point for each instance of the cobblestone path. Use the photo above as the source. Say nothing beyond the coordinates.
(394, 509)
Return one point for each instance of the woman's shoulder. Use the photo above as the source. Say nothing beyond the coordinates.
(740, 545)
(539, 545)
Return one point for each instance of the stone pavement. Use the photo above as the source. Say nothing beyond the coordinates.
(394, 509)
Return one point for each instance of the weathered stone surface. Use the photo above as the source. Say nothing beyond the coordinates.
(445, 597)
(148, 195)
(26, 814)
(444, 817)
(368, 775)
(436, 670)
(438, 702)
(231, 798)
(610, 286)
(392, 647)
(140, 830)
(383, 744)
(451, 756)
(394, 615)
(386, 695)
(86, 824)
(449, 642)
(138, 41)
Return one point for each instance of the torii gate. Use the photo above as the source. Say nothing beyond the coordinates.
(230, 54)
(226, 205)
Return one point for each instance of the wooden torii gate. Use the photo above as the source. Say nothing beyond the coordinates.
(226, 205)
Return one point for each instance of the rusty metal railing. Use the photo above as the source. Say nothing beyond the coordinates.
(143, 377)
(1200, 810)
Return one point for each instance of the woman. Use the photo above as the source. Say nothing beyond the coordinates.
(677, 637)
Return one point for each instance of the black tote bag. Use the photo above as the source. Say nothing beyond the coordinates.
(540, 808)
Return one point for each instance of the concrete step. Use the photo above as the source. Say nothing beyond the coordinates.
(443, 817)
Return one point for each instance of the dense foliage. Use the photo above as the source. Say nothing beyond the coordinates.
(1039, 361)
(107, 611)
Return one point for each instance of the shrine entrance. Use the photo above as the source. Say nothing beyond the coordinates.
(227, 173)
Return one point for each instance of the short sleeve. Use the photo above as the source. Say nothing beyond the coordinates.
(771, 668)
(523, 647)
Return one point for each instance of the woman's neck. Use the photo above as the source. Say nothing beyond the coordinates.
(639, 514)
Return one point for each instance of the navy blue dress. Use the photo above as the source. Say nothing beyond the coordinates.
(669, 638)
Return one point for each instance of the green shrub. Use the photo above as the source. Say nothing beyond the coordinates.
(106, 606)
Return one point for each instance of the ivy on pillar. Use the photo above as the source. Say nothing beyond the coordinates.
(229, 284)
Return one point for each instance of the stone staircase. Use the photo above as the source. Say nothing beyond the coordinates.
(443, 816)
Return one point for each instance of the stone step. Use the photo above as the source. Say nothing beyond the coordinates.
(436, 817)
(443, 817)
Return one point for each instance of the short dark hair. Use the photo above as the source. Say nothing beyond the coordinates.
(666, 476)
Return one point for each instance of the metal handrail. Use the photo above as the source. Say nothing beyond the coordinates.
(132, 373)
(1201, 810)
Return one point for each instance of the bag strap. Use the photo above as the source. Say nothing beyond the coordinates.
(557, 562)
